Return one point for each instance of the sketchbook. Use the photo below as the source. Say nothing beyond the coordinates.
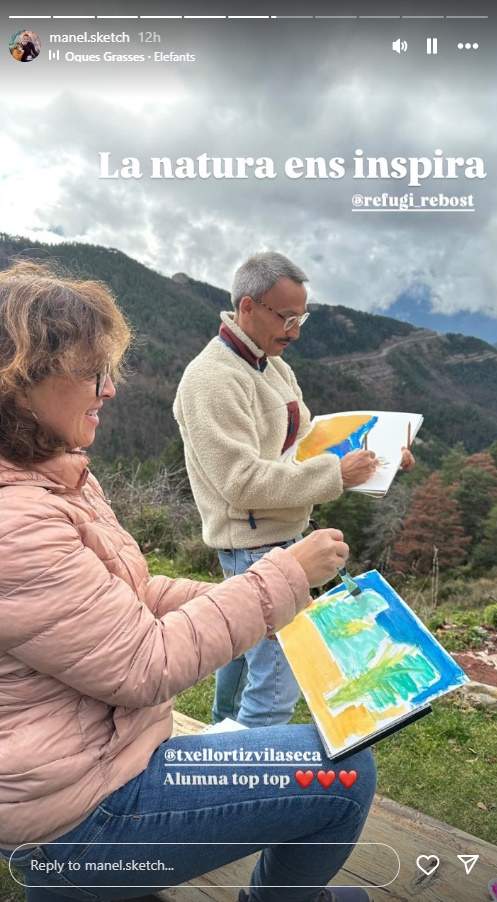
(366, 664)
(381, 431)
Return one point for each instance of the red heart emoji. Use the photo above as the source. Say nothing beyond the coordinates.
(347, 778)
(326, 777)
(304, 778)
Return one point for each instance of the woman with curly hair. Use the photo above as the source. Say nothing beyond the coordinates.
(95, 803)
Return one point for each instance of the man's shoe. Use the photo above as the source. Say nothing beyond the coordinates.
(329, 894)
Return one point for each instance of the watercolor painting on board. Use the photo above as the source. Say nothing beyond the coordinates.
(365, 664)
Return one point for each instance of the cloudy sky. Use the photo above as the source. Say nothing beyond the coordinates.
(262, 88)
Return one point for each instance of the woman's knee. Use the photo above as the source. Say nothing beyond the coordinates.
(364, 765)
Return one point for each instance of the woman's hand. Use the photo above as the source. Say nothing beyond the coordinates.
(320, 555)
(357, 467)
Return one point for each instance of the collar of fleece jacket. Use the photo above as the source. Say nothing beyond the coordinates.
(240, 341)
(67, 471)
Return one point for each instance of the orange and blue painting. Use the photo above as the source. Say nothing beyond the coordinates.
(336, 435)
(365, 662)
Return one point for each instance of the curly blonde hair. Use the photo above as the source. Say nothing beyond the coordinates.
(50, 324)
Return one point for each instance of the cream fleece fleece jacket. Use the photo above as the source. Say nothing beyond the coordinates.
(233, 421)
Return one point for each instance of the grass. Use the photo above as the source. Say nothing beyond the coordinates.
(445, 765)
(159, 565)
(461, 630)
(9, 890)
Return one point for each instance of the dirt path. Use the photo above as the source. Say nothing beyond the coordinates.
(481, 664)
(420, 337)
(477, 667)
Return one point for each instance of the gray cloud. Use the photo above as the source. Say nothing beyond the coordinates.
(254, 92)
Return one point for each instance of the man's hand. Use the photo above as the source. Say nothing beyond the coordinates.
(321, 554)
(357, 467)
(408, 460)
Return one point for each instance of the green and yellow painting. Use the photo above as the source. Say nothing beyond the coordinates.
(365, 662)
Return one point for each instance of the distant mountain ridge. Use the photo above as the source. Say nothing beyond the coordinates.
(417, 309)
(345, 359)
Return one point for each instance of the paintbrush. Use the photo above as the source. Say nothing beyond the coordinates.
(343, 573)
(348, 582)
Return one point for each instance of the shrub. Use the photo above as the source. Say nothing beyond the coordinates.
(436, 622)
(156, 511)
(152, 527)
(490, 615)
(194, 556)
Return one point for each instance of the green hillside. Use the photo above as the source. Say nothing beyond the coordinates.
(344, 359)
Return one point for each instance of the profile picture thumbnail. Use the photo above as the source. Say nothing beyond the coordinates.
(25, 46)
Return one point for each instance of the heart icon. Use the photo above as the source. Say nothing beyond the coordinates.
(427, 863)
(347, 778)
(326, 778)
(304, 778)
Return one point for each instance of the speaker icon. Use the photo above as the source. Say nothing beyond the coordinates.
(399, 46)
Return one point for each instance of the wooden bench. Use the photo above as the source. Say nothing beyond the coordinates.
(408, 831)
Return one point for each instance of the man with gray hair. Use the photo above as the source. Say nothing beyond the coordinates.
(239, 408)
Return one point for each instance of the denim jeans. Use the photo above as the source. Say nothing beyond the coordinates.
(257, 689)
(212, 819)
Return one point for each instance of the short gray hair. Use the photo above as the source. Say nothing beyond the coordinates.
(259, 273)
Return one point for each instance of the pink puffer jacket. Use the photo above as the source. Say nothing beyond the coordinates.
(92, 650)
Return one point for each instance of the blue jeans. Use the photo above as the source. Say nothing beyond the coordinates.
(212, 819)
(257, 689)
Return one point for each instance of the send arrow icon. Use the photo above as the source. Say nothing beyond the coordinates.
(468, 861)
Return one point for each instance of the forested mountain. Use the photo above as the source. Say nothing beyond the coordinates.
(345, 359)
